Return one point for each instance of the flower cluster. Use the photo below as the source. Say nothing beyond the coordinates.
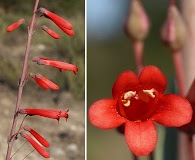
(137, 103)
(42, 81)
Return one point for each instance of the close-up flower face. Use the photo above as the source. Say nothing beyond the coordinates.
(138, 102)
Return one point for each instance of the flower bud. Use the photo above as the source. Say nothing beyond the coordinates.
(50, 32)
(15, 25)
(137, 22)
(39, 137)
(44, 82)
(36, 145)
(173, 30)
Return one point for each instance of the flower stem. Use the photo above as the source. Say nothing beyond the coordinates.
(172, 2)
(138, 53)
(177, 60)
(135, 157)
(151, 156)
(20, 89)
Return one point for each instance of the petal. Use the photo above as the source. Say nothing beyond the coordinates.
(103, 114)
(49, 83)
(41, 83)
(126, 81)
(141, 137)
(174, 111)
(152, 75)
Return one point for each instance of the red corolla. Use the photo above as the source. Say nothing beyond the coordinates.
(137, 103)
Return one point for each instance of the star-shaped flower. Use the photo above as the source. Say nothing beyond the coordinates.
(137, 103)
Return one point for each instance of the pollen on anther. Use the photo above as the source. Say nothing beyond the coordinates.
(126, 103)
(149, 92)
(129, 94)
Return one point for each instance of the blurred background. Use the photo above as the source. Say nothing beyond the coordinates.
(109, 52)
(67, 138)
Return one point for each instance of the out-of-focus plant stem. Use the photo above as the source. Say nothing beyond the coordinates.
(22, 79)
(188, 11)
(138, 53)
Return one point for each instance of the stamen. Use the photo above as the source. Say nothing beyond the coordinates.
(126, 103)
(149, 92)
(129, 94)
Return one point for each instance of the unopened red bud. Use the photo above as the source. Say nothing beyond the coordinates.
(43, 82)
(137, 23)
(40, 138)
(59, 21)
(36, 146)
(15, 25)
(50, 32)
(173, 30)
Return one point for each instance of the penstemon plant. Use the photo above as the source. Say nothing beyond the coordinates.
(138, 101)
(38, 142)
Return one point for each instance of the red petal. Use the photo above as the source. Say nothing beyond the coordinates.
(141, 137)
(126, 81)
(152, 75)
(49, 83)
(69, 32)
(39, 137)
(174, 111)
(103, 114)
(41, 83)
(62, 65)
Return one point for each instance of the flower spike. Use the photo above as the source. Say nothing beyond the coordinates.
(50, 32)
(44, 82)
(15, 25)
(36, 146)
(40, 138)
(54, 114)
(57, 64)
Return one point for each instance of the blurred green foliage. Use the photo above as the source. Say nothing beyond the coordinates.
(70, 7)
(67, 49)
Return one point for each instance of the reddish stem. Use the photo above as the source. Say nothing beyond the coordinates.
(138, 53)
(151, 156)
(135, 157)
(193, 146)
(20, 89)
(172, 2)
(177, 60)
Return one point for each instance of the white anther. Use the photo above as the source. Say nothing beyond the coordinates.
(149, 92)
(129, 94)
(126, 103)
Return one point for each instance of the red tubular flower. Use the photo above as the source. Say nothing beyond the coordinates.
(50, 32)
(57, 64)
(60, 22)
(40, 138)
(15, 25)
(44, 82)
(136, 103)
(54, 114)
(36, 146)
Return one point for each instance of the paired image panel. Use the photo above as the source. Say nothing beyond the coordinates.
(96, 80)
